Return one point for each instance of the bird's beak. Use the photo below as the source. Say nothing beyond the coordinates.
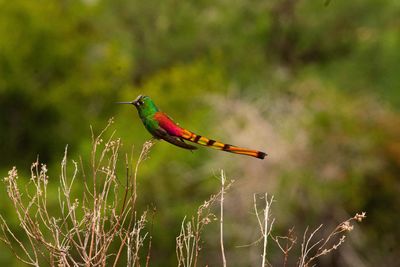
(130, 103)
(134, 102)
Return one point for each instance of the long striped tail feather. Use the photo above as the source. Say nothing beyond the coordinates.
(201, 140)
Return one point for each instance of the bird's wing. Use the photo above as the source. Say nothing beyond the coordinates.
(167, 124)
(161, 133)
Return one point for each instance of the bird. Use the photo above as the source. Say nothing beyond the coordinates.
(161, 126)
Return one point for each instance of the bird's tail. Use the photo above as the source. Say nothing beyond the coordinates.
(201, 140)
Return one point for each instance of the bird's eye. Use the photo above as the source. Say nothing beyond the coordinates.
(141, 102)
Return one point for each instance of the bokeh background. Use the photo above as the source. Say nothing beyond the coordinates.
(314, 84)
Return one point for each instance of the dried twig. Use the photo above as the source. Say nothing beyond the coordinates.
(322, 246)
(221, 219)
(265, 224)
(189, 239)
(290, 239)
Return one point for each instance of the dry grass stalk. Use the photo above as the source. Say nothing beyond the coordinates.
(88, 228)
(265, 225)
(331, 243)
(188, 242)
(290, 240)
(321, 247)
(221, 218)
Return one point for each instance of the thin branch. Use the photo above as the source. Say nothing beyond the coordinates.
(221, 220)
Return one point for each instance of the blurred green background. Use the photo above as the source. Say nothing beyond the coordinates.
(315, 85)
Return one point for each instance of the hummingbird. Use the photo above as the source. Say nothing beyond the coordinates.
(161, 126)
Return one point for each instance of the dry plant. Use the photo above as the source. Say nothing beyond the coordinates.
(325, 246)
(95, 228)
(221, 218)
(188, 242)
(100, 225)
(289, 242)
(319, 248)
(265, 224)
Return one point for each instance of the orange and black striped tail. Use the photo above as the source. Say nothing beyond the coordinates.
(201, 140)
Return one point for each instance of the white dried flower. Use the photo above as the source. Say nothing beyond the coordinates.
(360, 217)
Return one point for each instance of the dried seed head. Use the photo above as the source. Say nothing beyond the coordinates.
(360, 217)
(346, 226)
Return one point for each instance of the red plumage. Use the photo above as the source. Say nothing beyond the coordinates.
(168, 124)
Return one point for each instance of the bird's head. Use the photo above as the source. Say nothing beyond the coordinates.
(142, 103)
